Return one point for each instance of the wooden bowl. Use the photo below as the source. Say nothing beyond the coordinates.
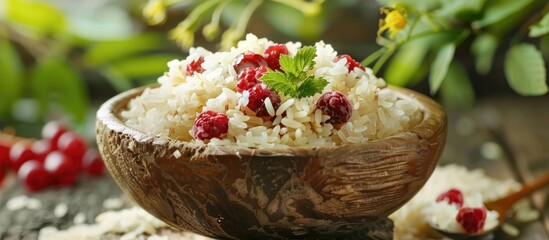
(296, 193)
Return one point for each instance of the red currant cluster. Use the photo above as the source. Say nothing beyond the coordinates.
(472, 219)
(56, 159)
(250, 67)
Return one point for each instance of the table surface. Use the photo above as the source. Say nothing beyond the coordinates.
(506, 136)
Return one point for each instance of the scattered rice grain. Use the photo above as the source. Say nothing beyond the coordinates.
(60, 210)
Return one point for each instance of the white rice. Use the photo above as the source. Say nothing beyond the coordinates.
(169, 111)
(412, 219)
(443, 215)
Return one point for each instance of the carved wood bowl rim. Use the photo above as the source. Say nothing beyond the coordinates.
(430, 133)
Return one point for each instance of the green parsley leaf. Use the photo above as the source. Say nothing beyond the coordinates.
(279, 82)
(287, 64)
(303, 60)
(294, 81)
(311, 86)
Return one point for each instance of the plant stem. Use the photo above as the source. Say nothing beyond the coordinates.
(374, 56)
(247, 14)
(216, 15)
(383, 59)
(193, 20)
(525, 27)
(37, 49)
(307, 8)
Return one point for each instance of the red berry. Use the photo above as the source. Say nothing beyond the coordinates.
(4, 155)
(272, 55)
(335, 105)
(41, 149)
(195, 66)
(210, 124)
(20, 152)
(249, 77)
(2, 176)
(52, 131)
(62, 168)
(34, 176)
(472, 219)
(452, 196)
(92, 163)
(351, 63)
(72, 145)
(256, 100)
(248, 59)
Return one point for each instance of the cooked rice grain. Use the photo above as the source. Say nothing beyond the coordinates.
(169, 110)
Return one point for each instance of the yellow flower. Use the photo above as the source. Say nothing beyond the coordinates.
(183, 36)
(395, 20)
(229, 38)
(210, 31)
(155, 12)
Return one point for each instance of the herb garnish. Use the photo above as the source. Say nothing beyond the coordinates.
(294, 81)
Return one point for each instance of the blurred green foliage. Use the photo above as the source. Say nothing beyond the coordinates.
(49, 50)
(437, 31)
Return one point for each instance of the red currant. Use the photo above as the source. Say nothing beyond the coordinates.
(472, 219)
(351, 63)
(34, 176)
(4, 155)
(20, 152)
(2, 176)
(62, 168)
(41, 149)
(92, 163)
(210, 124)
(256, 101)
(272, 55)
(335, 105)
(195, 66)
(72, 145)
(452, 196)
(248, 59)
(52, 131)
(249, 77)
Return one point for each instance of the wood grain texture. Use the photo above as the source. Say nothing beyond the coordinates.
(242, 193)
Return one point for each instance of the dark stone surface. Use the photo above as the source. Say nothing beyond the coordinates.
(86, 197)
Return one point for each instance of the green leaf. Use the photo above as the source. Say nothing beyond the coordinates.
(39, 15)
(143, 66)
(544, 46)
(287, 64)
(465, 10)
(541, 28)
(303, 60)
(294, 81)
(108, 51)
(117, 81)
(311, 86)
(440, 65)
(525, 70)
(484, 48)
(497, 10)
(11, 80)
(405, 63)
(423, 5)
(54, 81)
(278, 81)
(295, 23)
(456, 90)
